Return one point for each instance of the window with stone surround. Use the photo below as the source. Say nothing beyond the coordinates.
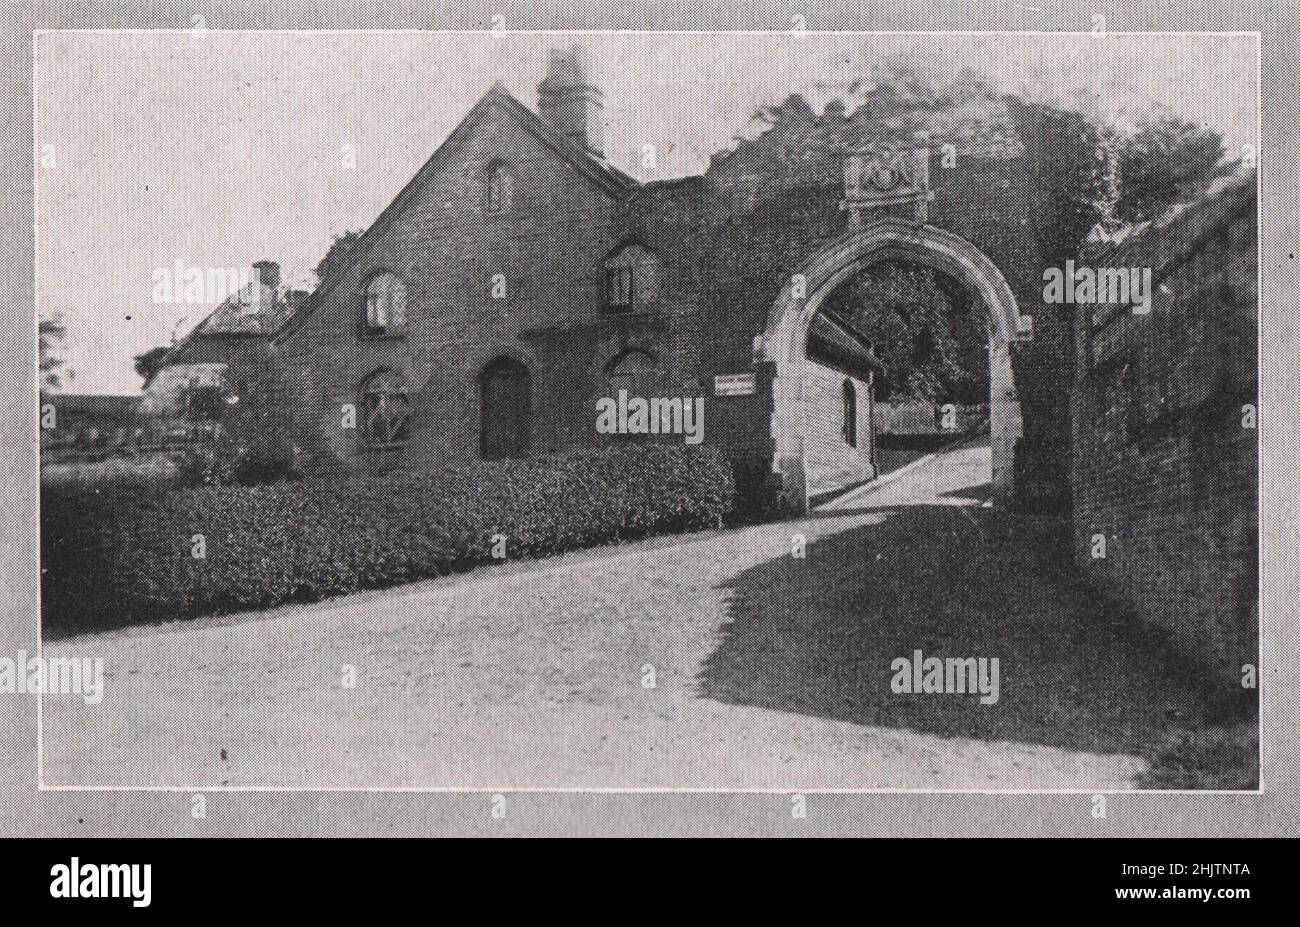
(636, 372)
(850, 428)
(631, 279)
(618, 289)
(385, 409)
(385, 307)
(499, 187)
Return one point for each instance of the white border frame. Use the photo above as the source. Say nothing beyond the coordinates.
(1261, 148)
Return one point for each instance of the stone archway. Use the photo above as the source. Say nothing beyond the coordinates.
(785, 340)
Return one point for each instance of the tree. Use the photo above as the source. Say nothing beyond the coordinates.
(336, 256)
(148, 363)
(242, 426)
(1164, 163)
(933, 350)
(51, 332)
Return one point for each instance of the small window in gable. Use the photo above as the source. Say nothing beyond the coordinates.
(500, 187)
(385, 305)
(630, 279)
(618, 288)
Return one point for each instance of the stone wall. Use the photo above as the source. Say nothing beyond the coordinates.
(1165, 459)
(447, 247)
(914, 417)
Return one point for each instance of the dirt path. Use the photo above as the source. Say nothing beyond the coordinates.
(769, 671)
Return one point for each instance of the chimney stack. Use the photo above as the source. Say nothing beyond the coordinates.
(267, 273)
(569, 103)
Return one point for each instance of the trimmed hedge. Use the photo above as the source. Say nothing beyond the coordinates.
(115, 557)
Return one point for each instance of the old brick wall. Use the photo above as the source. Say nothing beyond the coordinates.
(447, 246)
(725, 243)
(1163, 466)
(991, 203)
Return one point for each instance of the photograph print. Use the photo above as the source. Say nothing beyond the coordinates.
(647, 411)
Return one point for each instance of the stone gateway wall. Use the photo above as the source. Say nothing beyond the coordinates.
(1165, 461)
(716, 251)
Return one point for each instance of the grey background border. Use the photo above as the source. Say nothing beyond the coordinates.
(1276, 812)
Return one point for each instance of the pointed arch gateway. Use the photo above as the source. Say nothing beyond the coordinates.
(785, 339)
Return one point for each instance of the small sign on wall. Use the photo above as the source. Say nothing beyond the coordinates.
(735, 384)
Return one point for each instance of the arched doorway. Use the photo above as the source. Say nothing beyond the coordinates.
(785, 339)
(506, 410)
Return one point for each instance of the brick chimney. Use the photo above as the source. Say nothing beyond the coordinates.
(569, 103)
(267, 273)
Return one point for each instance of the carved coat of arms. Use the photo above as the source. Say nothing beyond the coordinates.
(882, 176)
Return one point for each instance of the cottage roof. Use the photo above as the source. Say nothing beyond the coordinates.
(257, 309)
(598, 169)
(834, 339)
(119, 408)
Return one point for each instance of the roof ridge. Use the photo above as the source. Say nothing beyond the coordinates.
(574, 153)
(583, 160)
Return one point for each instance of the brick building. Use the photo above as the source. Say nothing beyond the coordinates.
(1165, 464)
(519, 278)
(86, 422)
(230, 347)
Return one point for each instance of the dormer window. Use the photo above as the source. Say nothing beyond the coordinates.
(500, 188)
(385, 312)
(631, 274)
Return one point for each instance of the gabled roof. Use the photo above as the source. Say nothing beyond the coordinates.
(833, 338)
(256, 311)
(581, 158)
(597, 169)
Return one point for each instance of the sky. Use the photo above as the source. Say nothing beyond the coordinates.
(217, 149)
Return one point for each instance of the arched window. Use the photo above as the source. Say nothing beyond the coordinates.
(850, 430)
(636, 371)
(385, 304)
(385, 409)
(500, 187)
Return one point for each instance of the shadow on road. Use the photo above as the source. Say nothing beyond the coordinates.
(817, 636)
(976, 494)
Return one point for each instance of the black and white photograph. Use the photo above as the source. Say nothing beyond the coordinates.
(510, 413)
(676, 412)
